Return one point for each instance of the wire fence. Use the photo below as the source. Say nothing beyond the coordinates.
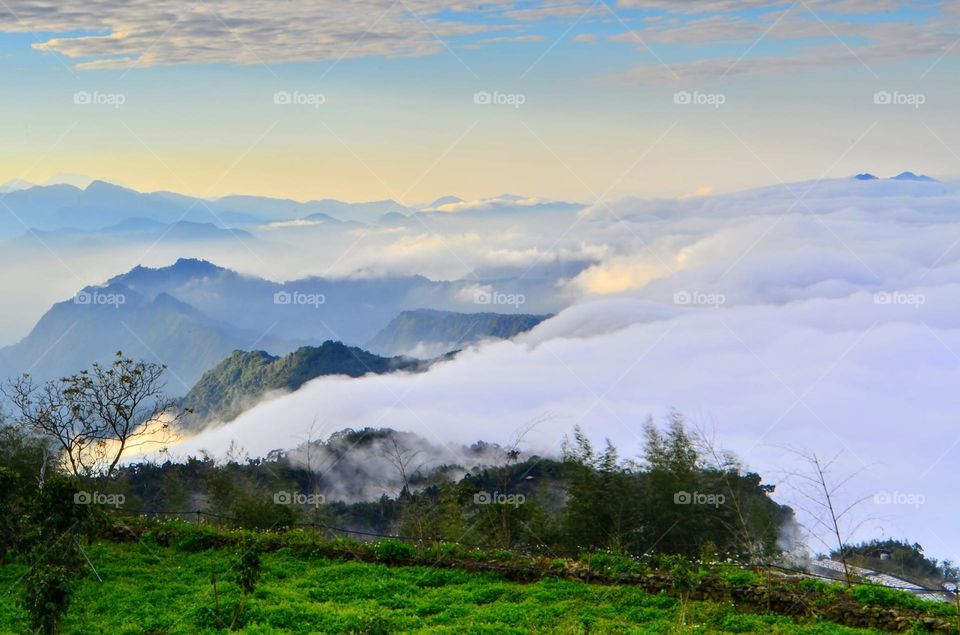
(318, 525)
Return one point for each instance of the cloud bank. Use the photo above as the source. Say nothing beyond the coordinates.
(827, 323)
(142, 33)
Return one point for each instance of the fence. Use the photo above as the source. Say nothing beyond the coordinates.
(317, 526)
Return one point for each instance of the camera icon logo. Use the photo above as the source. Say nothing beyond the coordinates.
(482, 98)
(282, 98)
(682, 498)
(682, 297)
(82, 498)
(682, 98)
(82, 298)
(882, 98)
(482, 296)
(82, 98)
(282, 297)
(282, 498)
(883, 298)
(482, 498)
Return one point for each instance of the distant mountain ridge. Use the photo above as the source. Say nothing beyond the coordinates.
(910, 176)
(243, 378)
(193, 314)
(100, 204)
(903, 176)
(429, 332)
(77, 332)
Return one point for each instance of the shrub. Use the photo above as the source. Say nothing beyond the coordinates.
(739, 577)
(610, 563)
(248, 567)
(394, 551)
(881, 596)
(46, 597)
(250, 512)
(192, 538)
(55, 521)
(249, 570)
(453, 550)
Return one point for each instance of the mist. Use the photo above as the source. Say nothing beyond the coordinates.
(829, 326)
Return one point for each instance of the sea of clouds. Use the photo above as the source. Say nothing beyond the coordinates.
(811, 317)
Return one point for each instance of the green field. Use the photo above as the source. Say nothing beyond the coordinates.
(149, 589)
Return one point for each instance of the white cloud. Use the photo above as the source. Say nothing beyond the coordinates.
(120, 35)
(838, 331)
(811, 36)
(148, 33)
(488, 203)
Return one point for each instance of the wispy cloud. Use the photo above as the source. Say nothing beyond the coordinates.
(119, 34)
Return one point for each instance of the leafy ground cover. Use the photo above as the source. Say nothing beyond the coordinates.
(149, 588)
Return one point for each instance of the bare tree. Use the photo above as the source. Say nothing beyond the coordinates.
(729, 469)
(402, 458)
(822, 491)
(511, 456)
(95, 416)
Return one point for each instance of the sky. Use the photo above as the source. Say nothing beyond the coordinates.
(387, 98)
(815, 309)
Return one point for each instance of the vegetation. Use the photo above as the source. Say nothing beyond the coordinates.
(92, 417)
(511, 544)
(242, 378)
(903, 559)
(667, 502)
(150, 588)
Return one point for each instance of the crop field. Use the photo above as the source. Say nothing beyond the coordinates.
(150, 589)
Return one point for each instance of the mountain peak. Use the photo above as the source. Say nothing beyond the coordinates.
(910, 176)
(193, 265)
(97, 186)
(182, 269)
(238, 381)
(865, 176)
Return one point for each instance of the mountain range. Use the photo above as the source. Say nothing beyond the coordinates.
(193, 314)
(428, 332)
(903, 176)
(77, 203)
(101, 204)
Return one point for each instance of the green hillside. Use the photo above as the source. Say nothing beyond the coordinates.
(242, 378)
(151, 588)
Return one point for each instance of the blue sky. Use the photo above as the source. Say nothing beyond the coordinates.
(197, 87)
